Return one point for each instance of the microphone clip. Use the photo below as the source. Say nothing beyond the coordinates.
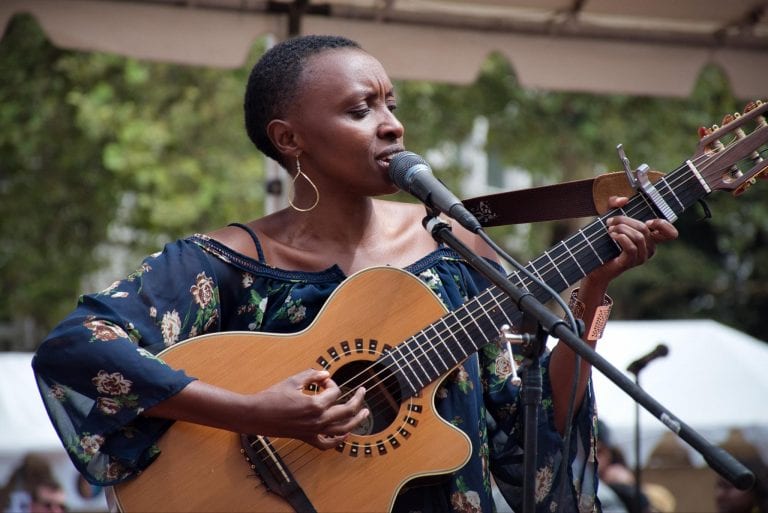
(433, 223)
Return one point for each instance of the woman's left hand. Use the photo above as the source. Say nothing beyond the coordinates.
(637, 239)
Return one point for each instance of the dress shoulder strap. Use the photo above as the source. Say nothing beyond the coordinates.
(254, 237)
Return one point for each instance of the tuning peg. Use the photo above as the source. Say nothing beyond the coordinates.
(718, 145)
(705, 132)
(752, 105)
(741, 189)
(759, 120)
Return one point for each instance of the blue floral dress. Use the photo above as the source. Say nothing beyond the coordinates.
(97, 371)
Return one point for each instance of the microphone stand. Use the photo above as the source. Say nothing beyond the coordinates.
(717, 458)
(638, 467)
(531, 393)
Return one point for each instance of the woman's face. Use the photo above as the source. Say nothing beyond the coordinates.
(344, 123)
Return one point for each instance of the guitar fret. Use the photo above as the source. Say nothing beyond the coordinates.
(392, 356)
(409, 346)
(463, 328)
(546, 275)
(535, 271)
(409, 366)
(589, 243)
(517, 276)
(452, 358)
(672, 193)
(487, 316)
(509, 321)
(554, 265)
(424, 353)
(651, 206)
(573, 257)
(570, 267)
(478, 328)
(398, 352)
(453, 337)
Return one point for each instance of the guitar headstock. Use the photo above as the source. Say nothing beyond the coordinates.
(730, 156)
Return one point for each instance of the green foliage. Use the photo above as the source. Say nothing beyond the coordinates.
(94, 146)
(51, 180)
(556, 137)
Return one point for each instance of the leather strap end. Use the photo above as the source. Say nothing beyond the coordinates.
(615, 184)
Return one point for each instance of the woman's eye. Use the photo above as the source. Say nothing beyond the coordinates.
(361, 113)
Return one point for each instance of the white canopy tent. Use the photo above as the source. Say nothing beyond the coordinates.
(713, 379)
(653, 47)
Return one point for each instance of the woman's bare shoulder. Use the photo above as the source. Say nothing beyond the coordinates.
(237, 239)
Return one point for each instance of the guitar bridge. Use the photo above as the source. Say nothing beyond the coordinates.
(265, 461)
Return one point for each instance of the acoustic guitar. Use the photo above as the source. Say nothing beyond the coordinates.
(384, 329)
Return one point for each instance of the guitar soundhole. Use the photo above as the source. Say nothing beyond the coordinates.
(382, 397)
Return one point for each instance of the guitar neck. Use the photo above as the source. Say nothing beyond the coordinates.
(439, 347)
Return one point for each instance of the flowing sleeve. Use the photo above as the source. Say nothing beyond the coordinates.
(572, 491)
(98, 370)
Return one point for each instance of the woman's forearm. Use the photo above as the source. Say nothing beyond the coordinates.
(563, 359)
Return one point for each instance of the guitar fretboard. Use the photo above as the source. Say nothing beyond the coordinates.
(439, 347)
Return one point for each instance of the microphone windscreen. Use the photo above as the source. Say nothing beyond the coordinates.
(399, 165)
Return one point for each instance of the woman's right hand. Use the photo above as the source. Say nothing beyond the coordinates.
(286, 409)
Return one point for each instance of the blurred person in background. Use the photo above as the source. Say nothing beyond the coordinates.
(615, 479)
(729, 499)
(48, 497)
(17, 494)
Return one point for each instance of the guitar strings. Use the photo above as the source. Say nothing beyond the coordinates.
(672, 180)
(628, 209)
(426, 349)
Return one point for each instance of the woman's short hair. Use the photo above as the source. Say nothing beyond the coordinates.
(274, 83)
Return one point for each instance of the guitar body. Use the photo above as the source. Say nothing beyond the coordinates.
(202, 469)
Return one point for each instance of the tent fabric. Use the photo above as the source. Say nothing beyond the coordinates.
(25, 425)
(713, 379)
(25, 428)
(601, 46)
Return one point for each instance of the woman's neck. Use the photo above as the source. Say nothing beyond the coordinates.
(352, 237)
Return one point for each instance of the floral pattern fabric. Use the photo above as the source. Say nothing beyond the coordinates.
(97, 371)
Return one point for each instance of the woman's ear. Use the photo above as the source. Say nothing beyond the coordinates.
(281, 134)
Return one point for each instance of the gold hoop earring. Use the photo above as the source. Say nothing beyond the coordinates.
(292, 192)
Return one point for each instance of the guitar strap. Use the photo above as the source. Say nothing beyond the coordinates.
(578, 198)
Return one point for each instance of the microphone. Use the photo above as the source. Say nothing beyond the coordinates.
(412, 174)
(638, 365)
